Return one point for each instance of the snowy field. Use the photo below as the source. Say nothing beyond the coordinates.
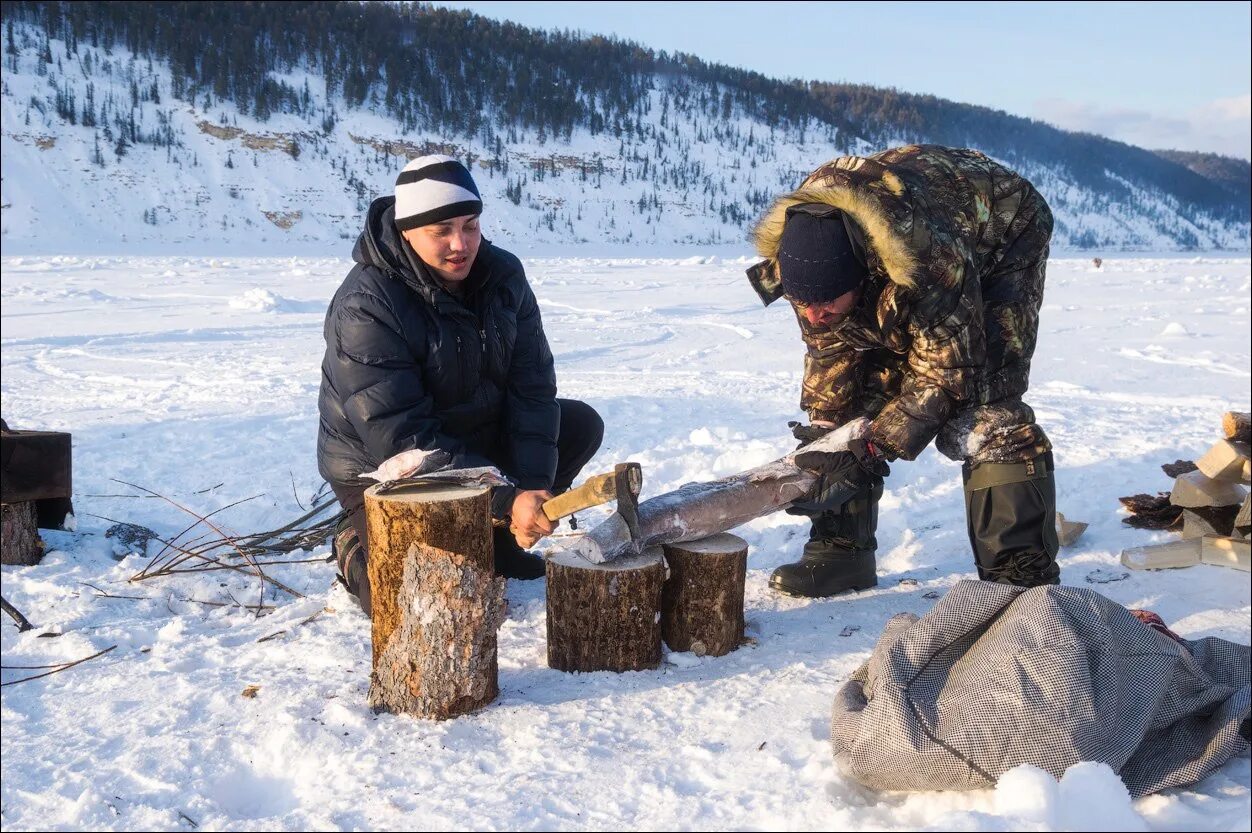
(198, 379)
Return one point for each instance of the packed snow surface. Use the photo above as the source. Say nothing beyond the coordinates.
(198, 379)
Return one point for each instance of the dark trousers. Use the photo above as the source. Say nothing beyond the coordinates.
(578, 440)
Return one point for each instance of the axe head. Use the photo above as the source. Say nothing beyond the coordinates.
(628, 482)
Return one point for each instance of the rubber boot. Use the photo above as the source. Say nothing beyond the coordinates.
(1011, 511)
(511, 560)
(840, 553)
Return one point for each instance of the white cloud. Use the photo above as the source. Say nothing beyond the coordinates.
(1223, 125)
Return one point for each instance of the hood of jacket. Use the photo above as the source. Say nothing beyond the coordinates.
(380, 245)
(869, 194)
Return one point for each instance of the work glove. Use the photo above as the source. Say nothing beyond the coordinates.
(841, 476)
(808, 433)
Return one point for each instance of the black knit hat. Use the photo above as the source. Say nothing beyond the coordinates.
(816, 259)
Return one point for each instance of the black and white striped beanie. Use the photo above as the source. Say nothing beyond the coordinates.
(432, 189)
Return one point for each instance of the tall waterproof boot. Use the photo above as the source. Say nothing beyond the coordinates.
(840, 553)
(1011, 510)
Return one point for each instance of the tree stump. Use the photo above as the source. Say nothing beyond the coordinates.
(437, 602)
(702, 603)
(605, 617)
(19, 536)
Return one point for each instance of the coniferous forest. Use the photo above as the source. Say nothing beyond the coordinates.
(456, 74)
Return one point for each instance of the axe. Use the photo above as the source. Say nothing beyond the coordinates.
(622, 484)
(698, 509)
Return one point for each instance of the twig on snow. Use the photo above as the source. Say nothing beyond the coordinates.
(65, 666)
(293, 489)
(204, 519)
(23, 624)
(235, 603)
(105, 595)
(305, 621)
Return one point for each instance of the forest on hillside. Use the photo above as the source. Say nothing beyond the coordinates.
(460, 74)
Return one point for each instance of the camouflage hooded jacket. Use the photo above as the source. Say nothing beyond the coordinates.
(956, 246)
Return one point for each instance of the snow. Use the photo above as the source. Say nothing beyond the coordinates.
(262, 300)
(688, 178)
(1089, 797)
(166, 383)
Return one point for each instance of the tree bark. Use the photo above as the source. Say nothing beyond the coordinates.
(1243, 520)
(605, 617)
(19, 536)
(702, 603)
(1237, 426)
(437, 602)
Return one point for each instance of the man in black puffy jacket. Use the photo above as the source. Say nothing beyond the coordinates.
(434, 342)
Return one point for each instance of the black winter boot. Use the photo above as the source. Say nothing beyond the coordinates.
(840, 553)
(1011, 510)
(350, 559)
(511, 560)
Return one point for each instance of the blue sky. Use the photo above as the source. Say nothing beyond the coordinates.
(1154, 74)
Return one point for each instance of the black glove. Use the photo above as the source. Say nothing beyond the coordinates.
(808, 433)
(842, 475)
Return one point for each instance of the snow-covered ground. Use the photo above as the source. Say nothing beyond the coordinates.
(198, 379)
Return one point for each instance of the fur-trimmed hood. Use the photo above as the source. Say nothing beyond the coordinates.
(865, 203)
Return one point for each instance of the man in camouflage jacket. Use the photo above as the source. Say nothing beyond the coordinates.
(932, 340)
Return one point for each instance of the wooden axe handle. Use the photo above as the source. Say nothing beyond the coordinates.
(597, 490)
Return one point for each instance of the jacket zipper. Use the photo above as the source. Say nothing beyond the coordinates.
(460, 367)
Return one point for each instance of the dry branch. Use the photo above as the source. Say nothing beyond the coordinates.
(23, 624)
(205, 520)
(302, 622)
(247, 554)
(64, 666)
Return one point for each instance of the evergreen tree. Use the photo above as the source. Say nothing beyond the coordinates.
(457, 74)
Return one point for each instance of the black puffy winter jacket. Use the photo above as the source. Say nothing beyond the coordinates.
(409, 366)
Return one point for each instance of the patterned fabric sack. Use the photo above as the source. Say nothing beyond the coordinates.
(996, 676)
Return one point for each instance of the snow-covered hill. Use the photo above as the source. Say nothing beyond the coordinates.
(102, 152)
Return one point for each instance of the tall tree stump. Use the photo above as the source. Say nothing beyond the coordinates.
(19, 536)
(702, 603)
(437, 602)
(605, 617)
